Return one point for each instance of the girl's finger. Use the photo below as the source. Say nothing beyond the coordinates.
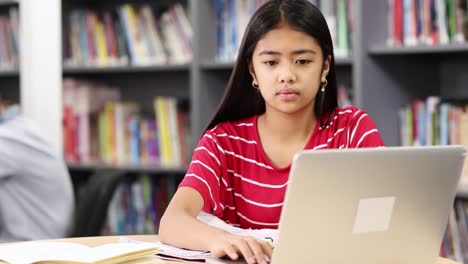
(244, 248)
(231, 251)
(257, 249)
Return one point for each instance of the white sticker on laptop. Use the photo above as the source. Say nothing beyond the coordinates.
(373, 215)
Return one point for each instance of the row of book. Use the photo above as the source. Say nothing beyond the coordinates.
(9, 37)
(433, 121)
(427, 22)
(339, 16)
(232, 17)
(98, 128)
(130, 34)
(138, 205)
(455, 242)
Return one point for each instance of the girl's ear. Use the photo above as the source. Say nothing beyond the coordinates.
(326, 68)
(252, 72)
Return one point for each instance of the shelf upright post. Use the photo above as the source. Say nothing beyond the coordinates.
(41, 66)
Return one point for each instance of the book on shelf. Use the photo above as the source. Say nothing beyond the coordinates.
(137, 205)
(455, 241)
(9, 28)
(426, 22)
(435, 121)
(99, 128)
(74, 253)
(232, 18)
(130, 34)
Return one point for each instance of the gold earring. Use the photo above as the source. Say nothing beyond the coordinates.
(324, 85)
(255, 85)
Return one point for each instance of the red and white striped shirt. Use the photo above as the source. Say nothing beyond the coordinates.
(240, 185)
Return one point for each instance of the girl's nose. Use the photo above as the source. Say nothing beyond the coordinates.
(287, 75)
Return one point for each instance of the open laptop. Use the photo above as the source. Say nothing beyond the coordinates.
(375, 205)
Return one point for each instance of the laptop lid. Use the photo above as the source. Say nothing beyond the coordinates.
(376, 205)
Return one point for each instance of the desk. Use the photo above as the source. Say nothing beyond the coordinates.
(96, 241)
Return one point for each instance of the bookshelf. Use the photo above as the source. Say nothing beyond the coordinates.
(394, 76)
(200, 81)
(391, 77)
(381, 78)
(210, 75)
(374, 71)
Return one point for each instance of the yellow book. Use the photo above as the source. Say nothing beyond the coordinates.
(75, 253)
(101, 44)
(160, 108)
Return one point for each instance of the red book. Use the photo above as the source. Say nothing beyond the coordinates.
(398, 23)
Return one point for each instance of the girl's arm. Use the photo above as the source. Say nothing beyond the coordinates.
(180, 227)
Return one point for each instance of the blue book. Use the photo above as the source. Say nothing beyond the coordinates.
(134, 140)
(83, 35)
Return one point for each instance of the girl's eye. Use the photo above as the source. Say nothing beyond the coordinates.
(303, 62)
(270, 63)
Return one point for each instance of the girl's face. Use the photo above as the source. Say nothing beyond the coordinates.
(288, 66)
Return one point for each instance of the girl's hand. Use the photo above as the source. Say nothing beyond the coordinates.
(253, 250)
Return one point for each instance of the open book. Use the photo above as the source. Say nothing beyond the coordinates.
(67, 252)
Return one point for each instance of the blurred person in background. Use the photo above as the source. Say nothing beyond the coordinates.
(36, 194)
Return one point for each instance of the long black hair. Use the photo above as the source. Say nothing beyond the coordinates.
(240, 99)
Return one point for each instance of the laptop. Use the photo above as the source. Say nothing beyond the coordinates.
(375, 205)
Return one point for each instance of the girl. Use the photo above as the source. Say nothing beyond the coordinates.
(281, 99)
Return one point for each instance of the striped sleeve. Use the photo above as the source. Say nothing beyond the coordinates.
(204, 172)
(363, 131)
